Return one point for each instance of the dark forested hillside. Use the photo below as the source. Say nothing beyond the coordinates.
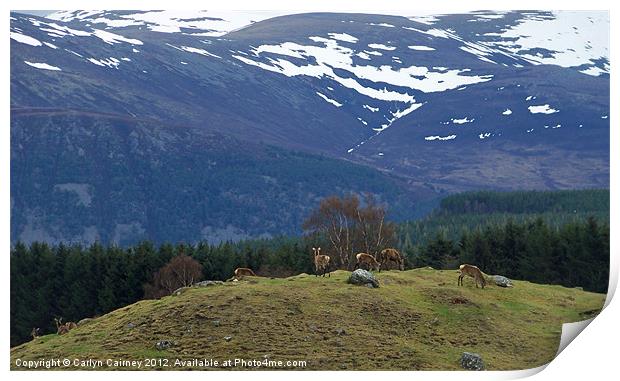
(567, 201)
(468, 211)
(117, 181)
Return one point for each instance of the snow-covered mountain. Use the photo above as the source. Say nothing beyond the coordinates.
(443, 102)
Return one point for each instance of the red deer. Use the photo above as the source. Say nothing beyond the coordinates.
(63, 328)
(70, 325)
(321, 262)
(36, 332)
(473, 272)
(243, 271)
(391, 255)
(368, 261)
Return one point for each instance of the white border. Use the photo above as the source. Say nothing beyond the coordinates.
(592, 354)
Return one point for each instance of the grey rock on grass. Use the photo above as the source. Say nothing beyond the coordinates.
(207, 283)
(501, 281)
(471, 361)
(164, 344)
(362, 277)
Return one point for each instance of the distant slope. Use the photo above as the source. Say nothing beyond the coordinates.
(468, 211)
(85, 176)
(417, 320)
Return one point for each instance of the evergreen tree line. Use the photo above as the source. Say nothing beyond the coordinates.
(75, 282)
(469, 211)
(569, 201)
(573, 255)
(418, 232)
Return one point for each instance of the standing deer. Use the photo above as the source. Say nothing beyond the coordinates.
(241, 272)
(473, 272)
(367, 261)
(391, 255)
(321, 262)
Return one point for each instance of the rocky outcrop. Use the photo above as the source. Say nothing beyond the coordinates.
(471, 361)
(363, 278)
(162, 345)
(501, 281)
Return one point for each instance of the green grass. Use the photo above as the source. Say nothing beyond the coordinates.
(416, 320)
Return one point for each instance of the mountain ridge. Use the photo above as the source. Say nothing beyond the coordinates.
(446, 103)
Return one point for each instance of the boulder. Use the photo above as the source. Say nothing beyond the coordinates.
(207, 283)
(164, 344)
(362, 277)
(179, 291)
(501, 281)
(84, 321)
(471, 361)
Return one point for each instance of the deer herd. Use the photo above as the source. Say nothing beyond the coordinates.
(368, 262)
(321, 266)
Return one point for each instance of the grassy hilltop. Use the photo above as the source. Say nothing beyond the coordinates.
(417, 320)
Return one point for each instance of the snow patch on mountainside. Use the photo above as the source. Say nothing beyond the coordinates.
(569, 39)
(60, 31)
(343, 37)
(331, 55)
(25, 39)
(381, 47)
(41, 65)
(420, 47)
(424, 18)
(112, 38)
(564, 38)
(198, 51)
(461, 120)
(203, 23)
(328, 59)
(111, 62)
(328, 100)
(542, 109)
(449, 137)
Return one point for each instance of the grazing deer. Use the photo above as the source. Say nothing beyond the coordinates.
(391, 255)
(36, 332)
(473, 272)
(321, 262)
(367, 261)
(244, 271)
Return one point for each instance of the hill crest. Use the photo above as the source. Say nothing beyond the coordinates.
(417, 320)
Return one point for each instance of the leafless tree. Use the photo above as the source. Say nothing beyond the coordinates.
(373, 232)
(181, 271)
(350, 227)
